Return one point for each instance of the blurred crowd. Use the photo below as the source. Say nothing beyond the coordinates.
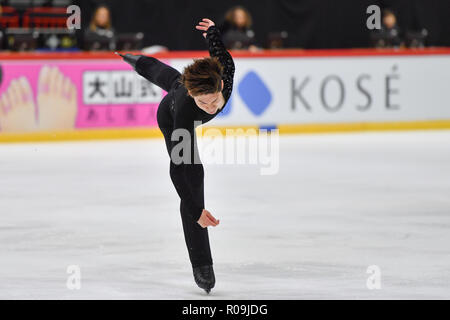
(41, 24)
(391, 36)
(27, 25)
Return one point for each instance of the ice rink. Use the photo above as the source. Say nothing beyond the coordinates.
(339, 204)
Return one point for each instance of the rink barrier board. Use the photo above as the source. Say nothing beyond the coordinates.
(299, 128)
(145, 133)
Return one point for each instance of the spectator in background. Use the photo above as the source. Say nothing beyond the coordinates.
(3, 39)
(101, 22)
(390, 34)
(236, 30)
(100, 34)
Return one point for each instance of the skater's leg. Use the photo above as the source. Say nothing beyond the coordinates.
(157, 72)
(197, 240)
(196, 237)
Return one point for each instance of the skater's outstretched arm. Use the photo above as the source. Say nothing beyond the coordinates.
(217, 49)
(154, 70)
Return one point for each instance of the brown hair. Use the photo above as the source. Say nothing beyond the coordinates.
(204, 76)
(93, 25)
(388, 12)
(229, 16)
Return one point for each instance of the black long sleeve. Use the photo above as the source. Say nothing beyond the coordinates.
(217, 49)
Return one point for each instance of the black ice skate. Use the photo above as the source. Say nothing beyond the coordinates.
(204, 277)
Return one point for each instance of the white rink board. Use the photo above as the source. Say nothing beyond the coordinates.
(416, 86)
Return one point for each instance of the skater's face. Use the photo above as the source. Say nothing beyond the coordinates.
(210, 102)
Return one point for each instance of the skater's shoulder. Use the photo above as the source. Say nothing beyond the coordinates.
(181, 95)
(184, 103)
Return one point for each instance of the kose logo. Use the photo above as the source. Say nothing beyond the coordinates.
(254, 93)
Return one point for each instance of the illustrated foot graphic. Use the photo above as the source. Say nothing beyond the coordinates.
(17, 108)
(57, 100)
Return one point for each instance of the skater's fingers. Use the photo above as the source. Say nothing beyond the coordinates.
(208, 20)
(210, 216)
(207, 220)
(212, 221)
(212, 224)
(206, 25)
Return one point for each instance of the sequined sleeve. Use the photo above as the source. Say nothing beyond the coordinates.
(217, 49)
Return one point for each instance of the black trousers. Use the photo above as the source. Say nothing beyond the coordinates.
(196, 237)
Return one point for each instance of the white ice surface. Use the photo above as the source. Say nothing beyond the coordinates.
(339, 204)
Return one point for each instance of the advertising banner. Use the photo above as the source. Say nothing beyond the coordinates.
(62, 95)
(338, 89)
(45, 96)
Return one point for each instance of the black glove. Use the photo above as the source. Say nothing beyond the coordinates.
(130, 59)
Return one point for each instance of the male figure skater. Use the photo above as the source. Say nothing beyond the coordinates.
(198, 94)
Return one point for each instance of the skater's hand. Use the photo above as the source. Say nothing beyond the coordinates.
(204, 25)
(207, 219)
